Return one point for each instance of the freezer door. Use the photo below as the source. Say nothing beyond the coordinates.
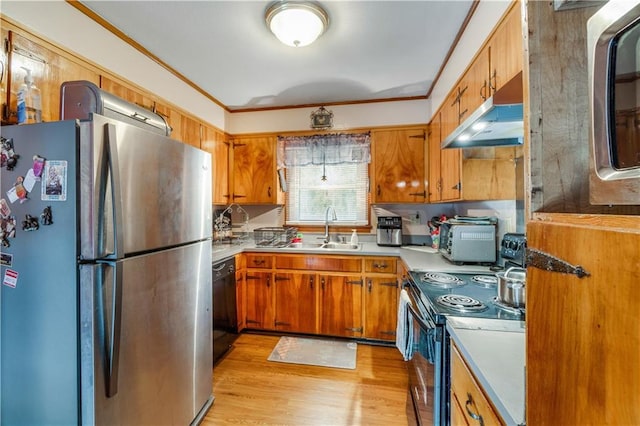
(139, 191)
(146, 355)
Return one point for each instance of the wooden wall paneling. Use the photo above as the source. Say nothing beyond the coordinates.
(49, 69)
(583, 334)
(214, 142)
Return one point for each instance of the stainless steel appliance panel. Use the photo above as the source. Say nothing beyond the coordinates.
(146, 335)
(162, 186)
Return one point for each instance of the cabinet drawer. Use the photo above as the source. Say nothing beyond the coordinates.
(386, 265)
(259, 260)
(319, 263)
(470, 397)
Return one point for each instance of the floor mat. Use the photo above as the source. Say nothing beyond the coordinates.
(320, 352)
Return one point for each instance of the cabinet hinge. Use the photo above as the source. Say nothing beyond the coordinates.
(545, 261)
(354, 329)
(235, 145)
(277, 323)
(388, 333)
(355, 282)
(252, 321)
(423, 136)
(390, 284)
(252, 277)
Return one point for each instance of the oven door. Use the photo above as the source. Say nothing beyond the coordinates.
(425, 366)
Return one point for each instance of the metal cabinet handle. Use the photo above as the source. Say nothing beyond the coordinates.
(379, 191)
(380, 265)
(311, 282)
(258, 261)
(473, 415)
(369, 285)
(483, 91)
(269, 192)
(268, 281)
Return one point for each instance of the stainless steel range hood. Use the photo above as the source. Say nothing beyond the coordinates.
(497, 122)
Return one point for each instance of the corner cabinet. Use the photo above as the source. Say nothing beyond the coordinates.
(254, 176)
(399, 173)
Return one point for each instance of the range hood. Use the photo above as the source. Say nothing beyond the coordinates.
(497, 122)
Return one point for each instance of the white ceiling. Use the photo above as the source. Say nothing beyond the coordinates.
(372, 50)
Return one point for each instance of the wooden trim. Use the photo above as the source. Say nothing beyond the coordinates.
(315, 105)
(453, 46)
(122, 36)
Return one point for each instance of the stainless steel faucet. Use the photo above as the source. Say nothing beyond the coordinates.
(326, 222)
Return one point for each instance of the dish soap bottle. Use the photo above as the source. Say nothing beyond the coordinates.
(33, 99)
(22, 95)
(354, 237)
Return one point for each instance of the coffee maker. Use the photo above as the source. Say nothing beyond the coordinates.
(389, 231)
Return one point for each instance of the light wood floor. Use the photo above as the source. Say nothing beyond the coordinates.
(248, 389)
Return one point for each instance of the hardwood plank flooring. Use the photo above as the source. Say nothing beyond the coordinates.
(248, 389)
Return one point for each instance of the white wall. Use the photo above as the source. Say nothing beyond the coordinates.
(62, 24)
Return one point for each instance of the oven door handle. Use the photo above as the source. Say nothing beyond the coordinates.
(416, 315)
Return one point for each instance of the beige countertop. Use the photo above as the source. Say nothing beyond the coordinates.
(417, 258)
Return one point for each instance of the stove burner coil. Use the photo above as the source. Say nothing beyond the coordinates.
(461, 303)
(442, 280)
(487, 281)
(501, 305)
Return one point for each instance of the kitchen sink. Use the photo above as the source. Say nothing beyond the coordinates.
(325, 246)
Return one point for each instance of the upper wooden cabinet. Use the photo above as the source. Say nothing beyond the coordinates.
(49, 69)
(254, 170)
(399, 173)
(444, 165)
(506, 49)
(476, 85)
(214, 142)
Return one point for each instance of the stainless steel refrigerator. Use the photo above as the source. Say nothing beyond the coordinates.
(106, 268)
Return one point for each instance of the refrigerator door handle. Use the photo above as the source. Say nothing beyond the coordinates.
(111, 145)
(110, 326)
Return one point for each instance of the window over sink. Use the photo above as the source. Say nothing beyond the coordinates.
(326, 170)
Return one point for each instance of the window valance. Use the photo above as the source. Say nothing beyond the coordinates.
(342, 148)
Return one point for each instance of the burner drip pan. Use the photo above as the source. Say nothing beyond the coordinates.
(486, 281)
(442, 280)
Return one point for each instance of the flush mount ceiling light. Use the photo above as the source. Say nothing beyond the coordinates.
(296, 23)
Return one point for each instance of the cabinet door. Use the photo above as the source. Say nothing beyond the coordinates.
(433, 141)
(506, 49)
(49, 69)
(259, 300)
(476, 82)
(450, 160)
(381, 307)
(583, 334)
(295, 302)
(399, 166)
(213, 141)
(450, 114)
(341, 305)
(254, 170)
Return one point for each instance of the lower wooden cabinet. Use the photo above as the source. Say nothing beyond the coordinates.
(296, 302)
(259, 300)
(469, 405)
(331, 295)
(381, 305)
(341, 305)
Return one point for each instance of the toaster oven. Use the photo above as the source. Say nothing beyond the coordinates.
(468, 242)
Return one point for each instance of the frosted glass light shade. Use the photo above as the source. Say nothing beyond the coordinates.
(296, 24)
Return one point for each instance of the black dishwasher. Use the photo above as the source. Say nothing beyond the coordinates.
(225, 319)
